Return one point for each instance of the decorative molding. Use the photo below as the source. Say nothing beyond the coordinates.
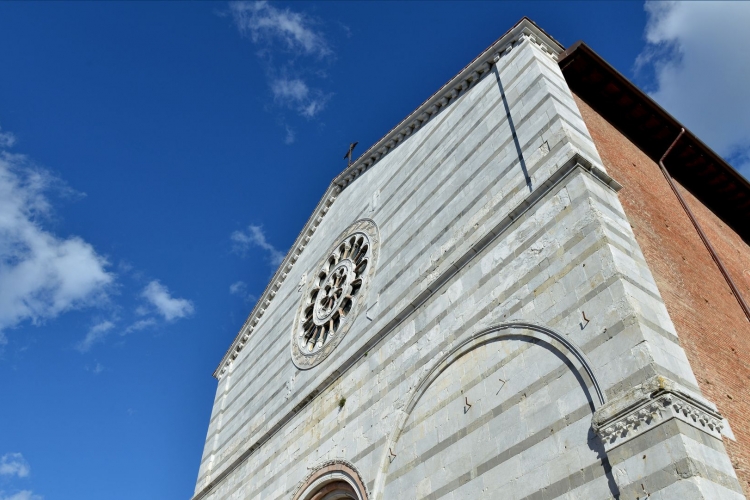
(335, 295)
(524, 30)
(576, 163)
(337, 465)
(653, 410)
(278, 279)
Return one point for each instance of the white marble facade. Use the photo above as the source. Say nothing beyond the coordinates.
(511, 342)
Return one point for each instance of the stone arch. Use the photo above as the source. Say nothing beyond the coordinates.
(332, 480)
(571, 355)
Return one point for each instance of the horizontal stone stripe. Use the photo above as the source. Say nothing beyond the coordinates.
(449, 133)
(522, 247)
(477, 198)
(671, 336)
(659, 433)
(470, 323)
(374, 399)
(251, 399)
(579, 478)
(248, 351)
(352, 417)
(488, 186)
(440, 185)
(680, 470)
(415, 169)
(438, 163)
(512, 400)
(566, 247)
(517, 449)
(482, 420)
(383, 204)
(426, 151)
(270, 361)
(220, 474)
(615, 329)
(609, 221)
(645, 373)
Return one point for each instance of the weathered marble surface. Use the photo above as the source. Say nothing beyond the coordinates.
(511, 307)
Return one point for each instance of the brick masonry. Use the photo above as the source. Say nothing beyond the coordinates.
(713, 330)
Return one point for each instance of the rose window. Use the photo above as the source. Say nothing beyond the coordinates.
(334, 295)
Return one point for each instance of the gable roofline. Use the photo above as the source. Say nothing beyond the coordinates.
(523, 30)
(697, 167)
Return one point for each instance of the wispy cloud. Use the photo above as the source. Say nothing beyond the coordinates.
(41, 274)
(13, 464)
(96, 334)
(290, 136)
(21, 495)
(97, 368)
(697, 54)
(295, 94)
(284, 37)
(239, 288)
(266, 24)
(139, 325)
(7, 139)
(169, 307)
(254, 236)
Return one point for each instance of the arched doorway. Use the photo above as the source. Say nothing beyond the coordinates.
(337, 490)
(332, 480)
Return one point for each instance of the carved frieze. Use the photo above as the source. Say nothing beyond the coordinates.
(654, 410)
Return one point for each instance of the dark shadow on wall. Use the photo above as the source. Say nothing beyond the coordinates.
(513, 129)
(594, 442)
(585, 378)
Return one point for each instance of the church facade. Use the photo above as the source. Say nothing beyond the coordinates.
(471, 311)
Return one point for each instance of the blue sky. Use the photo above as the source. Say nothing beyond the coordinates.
(158, 159)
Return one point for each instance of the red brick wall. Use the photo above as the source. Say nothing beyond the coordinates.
(712, 328)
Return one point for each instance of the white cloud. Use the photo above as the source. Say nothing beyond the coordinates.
(267, 24)
(289, 139)
(7, 139)
(13, 464)
(295, 94)
(291, 35)
(159, 297)
(255, 237)
(41, 274)
(21, 495)
(295, 90)
(697, 51)
(96, 334)
(240, 288)
(141, 324)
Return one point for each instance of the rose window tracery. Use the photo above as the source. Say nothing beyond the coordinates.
(334, 294)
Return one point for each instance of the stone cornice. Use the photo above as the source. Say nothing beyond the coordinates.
(524, 30)
(278, 279)
(641, 410)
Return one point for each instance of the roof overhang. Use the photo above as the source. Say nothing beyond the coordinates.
(693, 164)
